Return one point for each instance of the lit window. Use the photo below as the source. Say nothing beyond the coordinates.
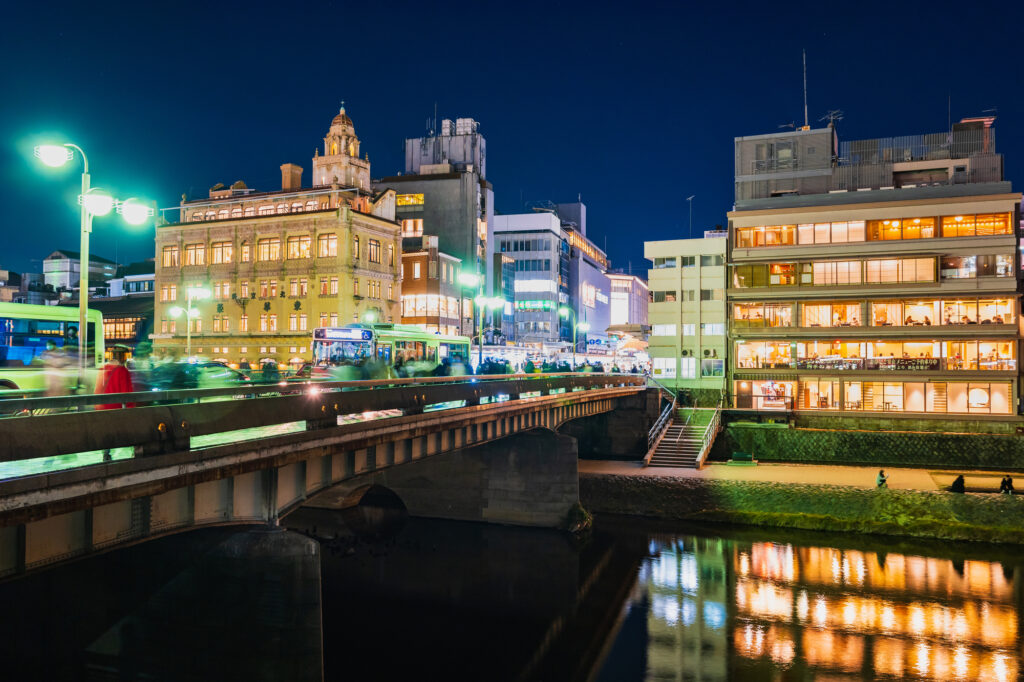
(170, 257)
(268, 249)
(374, 251)
(299, 247)
(195, 254)
(409, 200)
(220, 252)
(412, 227)
(327, 245)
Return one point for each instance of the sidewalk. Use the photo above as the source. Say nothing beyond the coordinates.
(818, 474)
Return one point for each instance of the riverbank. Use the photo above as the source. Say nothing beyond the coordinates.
(808, 506)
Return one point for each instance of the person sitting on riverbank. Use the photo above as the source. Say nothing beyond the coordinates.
(881, 479)
(958, 484)
(1006, 485)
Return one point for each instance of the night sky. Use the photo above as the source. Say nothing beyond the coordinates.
(632, 106)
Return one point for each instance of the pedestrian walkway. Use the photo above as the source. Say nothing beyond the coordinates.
(815, 474)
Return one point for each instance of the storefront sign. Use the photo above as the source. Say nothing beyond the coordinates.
(905, 364)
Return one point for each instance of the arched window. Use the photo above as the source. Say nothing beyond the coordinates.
(282, 208)
(311, 205)
(211, 215)
(197, 216)
(223, 214)
(250, 211)
(236, 213)
(297, 207)
(267, 209)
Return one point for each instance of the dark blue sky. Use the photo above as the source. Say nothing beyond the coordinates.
(631, 105)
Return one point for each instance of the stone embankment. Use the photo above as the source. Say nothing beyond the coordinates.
(909, 513)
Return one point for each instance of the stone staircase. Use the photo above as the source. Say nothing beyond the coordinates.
(682, 442)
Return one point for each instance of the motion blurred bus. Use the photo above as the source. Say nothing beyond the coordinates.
(25, 333)
(384, 344)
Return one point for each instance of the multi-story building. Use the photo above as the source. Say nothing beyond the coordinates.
(135, 279)
(629, 296)
(61, 271)
(881, 279)
(536, 245)
(281, 263)
(10, 287)
(503, 282)
(431, 295)
(444, 192)
(687, 314)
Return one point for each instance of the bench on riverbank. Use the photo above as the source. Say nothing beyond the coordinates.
(743, 459)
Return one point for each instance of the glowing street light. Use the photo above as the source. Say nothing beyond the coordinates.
(190, 313)
(94, 202)
(134, 211)
(53, 155)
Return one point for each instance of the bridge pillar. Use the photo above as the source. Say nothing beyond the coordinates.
(527, 479)
(619, 434)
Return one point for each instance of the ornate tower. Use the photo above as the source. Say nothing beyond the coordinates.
(341, 163)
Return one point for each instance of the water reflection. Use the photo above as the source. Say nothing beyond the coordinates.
(724, 608)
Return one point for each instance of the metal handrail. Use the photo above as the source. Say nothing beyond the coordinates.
(711, 431)
(660, 425)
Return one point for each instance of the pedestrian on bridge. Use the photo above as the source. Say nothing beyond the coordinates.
(115, 378)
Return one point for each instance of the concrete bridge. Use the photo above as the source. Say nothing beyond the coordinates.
(249, 455)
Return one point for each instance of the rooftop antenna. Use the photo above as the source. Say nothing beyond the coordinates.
(791, 124)
(832, 116)
(806, 124)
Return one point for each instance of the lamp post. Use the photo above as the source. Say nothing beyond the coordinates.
(485, 303)
(191, 294)
(93, 203)
(584, 327)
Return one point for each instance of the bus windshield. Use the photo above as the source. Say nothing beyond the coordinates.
(332, 353)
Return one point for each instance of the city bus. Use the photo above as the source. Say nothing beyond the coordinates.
(386, 345)
(26, 333)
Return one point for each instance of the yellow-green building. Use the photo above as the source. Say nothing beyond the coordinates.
(687, 313)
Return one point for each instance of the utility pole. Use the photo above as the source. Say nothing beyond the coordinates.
(689, 200)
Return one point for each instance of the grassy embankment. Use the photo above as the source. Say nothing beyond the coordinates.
(908, 513)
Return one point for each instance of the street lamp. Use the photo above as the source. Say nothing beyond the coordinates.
(485, 303)
(584, 327)
(191, 294)
(472, 281)
(93, 203)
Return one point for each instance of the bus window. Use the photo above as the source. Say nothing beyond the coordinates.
(432, 354)
(384, 353)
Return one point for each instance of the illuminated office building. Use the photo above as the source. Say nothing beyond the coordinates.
(874, 276)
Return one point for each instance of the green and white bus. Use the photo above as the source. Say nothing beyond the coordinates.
(26, 331)
(358, 344)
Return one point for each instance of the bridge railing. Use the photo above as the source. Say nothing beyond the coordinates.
(163, 428)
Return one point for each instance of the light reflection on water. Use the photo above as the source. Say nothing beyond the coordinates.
(724, 609)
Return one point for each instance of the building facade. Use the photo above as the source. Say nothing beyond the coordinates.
(61, 271)
(882, 279)
(629, 295)
(687, 313)
(279, 264)
(431, 295)
(539, 253)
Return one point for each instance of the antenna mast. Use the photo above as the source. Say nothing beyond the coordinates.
(806, 124)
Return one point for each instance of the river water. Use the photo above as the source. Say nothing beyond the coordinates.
(420, 599)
